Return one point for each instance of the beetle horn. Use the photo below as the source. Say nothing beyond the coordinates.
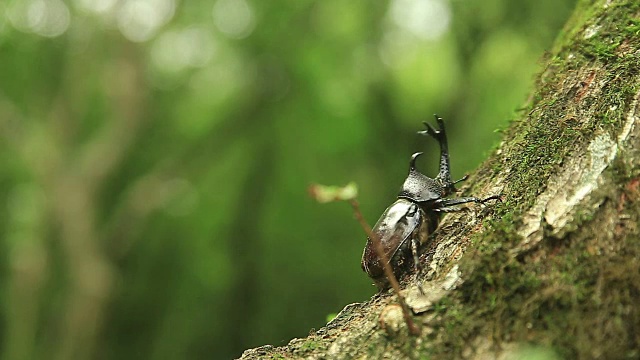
(412, 162)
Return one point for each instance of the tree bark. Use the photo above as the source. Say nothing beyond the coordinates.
(552, 270)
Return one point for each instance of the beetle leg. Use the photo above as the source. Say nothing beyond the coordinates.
(444, 205)
(416, 263)
(414, 251)
(448, 209)
(465, 177)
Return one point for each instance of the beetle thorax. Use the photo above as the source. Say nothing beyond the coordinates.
(419, 188)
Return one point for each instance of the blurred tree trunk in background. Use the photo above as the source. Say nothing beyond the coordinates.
(553, 270)
(65, 188)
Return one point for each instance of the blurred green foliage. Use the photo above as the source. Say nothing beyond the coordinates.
(156, 156)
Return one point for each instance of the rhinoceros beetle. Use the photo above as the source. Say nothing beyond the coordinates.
(408, 222)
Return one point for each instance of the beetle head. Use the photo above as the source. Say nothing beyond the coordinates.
(419, 187)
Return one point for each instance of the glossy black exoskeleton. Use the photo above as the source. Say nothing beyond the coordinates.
(407, 223)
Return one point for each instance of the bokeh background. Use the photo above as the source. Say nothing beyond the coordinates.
(155, 156)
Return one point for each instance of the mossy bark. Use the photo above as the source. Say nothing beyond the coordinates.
(553, 270)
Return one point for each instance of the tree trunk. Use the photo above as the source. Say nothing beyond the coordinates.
(553, 270)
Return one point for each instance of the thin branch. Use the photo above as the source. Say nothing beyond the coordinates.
(388, 271)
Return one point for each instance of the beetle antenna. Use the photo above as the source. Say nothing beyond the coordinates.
(412, 162)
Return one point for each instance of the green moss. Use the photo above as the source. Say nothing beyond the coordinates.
(309, 345)
(559, 287)
(331, 316)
